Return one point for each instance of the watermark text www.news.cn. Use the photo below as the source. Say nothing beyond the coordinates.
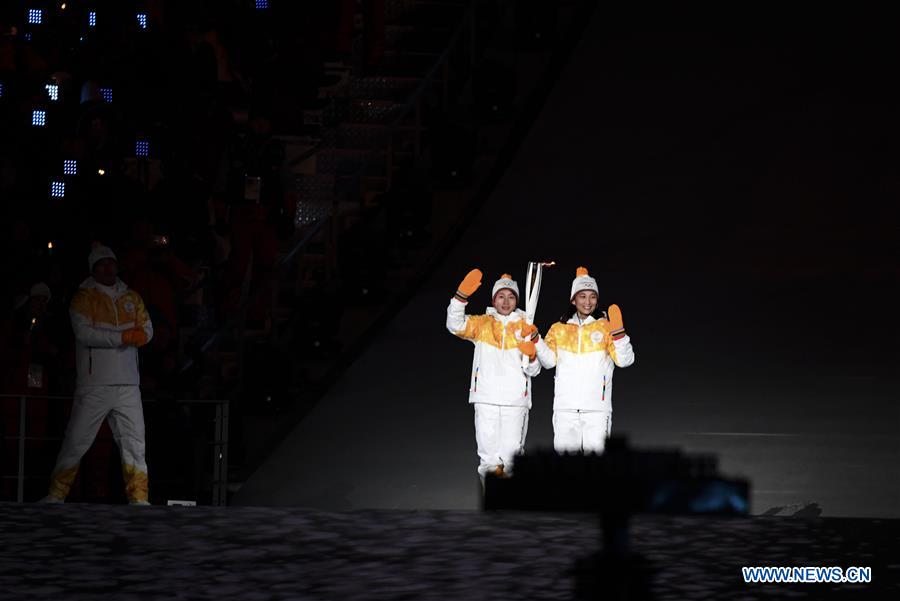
(811, 574)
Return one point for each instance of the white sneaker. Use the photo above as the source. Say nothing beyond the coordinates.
(139, 503)
(52, 500)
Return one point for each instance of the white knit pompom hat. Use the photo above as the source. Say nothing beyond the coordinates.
(505, 281)
(40, 289)
(100, 252)
(583, 281)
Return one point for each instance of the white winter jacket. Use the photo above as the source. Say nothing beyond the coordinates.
(585, 356)
(497, 374)
(99, 316)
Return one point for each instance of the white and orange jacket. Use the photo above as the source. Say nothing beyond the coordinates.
(585, 356)
(498, 377)
(99, 316)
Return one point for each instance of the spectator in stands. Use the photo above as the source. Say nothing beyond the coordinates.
(30, 350)
(255, 220)
(158, 276)
(110, 324)
(96, 127)
(156, 273)
(373, 18)
(158, 368)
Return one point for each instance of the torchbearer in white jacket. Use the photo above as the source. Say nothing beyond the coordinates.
(499, 386)
(110, 323)
(585, 351)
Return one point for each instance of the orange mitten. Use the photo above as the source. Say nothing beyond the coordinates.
(134, 337)
(529, 332)
(527, 349)
(616, 325)
(469, 285)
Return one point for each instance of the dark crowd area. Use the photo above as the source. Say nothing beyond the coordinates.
(155, 128)
(265, 173)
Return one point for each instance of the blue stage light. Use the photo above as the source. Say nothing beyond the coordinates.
(39, 118)
(262, 4)
(52, 91)
(57, 189)
(35, 16)
(106, 94)
(142, 20)
(142, 148)
(92, 19)
(70, 167)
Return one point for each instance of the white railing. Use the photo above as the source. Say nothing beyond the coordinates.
(219, 441)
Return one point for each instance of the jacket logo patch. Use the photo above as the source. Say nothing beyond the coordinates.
(129, 307)
(596, 337)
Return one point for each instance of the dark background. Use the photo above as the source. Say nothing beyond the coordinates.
(733, 188)
(730, 178)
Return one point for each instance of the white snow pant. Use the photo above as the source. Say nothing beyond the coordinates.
(500, 434)
(577, 431)
(121, 405)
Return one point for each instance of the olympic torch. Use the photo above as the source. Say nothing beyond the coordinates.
(533, 291)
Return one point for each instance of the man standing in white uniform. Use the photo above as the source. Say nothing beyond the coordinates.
(110, 324)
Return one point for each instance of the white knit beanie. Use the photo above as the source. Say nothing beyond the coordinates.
(505, 281)
(583, 281)
(100, 252)
(40, 289)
